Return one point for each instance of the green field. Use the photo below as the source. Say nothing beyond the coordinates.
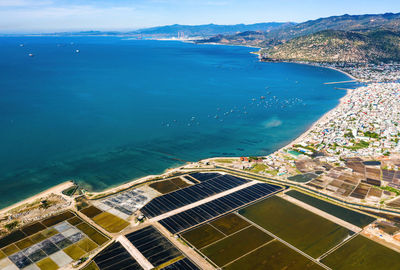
(202, 236)
(74, 251)
(230, 223)
(111, 223)
(353, 217)
(25, 243)
(2, 255)
(273, 256)
(87, 245)
(91, 266)
(36, 238)
(11, 249)
(305, 230)
(235, 245)
(47, 264)
(92, 233)
(362, 253)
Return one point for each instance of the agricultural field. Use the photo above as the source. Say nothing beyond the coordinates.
(215, 230)
(353, 217)
(49, 244)
(109, 222)
(303, 229)
(203, 236)
(274, 256)
(231, 242)
(169, 185)
(236, 245)
(363, 254)
(229, 224)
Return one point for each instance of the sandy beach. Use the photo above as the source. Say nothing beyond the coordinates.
(55, 190)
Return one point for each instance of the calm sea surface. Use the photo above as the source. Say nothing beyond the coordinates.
(105, 110)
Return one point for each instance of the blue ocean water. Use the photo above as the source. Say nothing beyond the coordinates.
(105, 110)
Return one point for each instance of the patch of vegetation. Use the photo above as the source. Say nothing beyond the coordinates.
(391, 189)
(227, 161)
(370, 134)
(45, 204)
(259, 168)
(349, 135)
(360, 145)
(273, 172)
(253, 159)
(12, 225)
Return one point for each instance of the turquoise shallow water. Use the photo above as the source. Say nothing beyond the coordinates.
(121, 109)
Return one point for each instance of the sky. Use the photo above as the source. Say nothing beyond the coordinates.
(38, 16)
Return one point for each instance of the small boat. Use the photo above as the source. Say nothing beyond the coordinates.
(30, 55)
(77, 51)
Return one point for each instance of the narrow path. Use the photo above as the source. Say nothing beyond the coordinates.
(186, 250)
(135, 253)
(336, 247)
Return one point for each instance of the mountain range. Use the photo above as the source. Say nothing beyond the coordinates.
(346, 38)
(188, 31)
(338, 46)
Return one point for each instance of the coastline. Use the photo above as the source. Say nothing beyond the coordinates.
(135, 181)
(55, 190)
(114, 189)
(324, 116)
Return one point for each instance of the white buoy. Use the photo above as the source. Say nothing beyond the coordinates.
(31, 55)
(77, 51)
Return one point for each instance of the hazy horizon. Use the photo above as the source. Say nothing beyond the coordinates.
(43, 16)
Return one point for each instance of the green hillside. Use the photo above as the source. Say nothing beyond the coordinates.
(338, 46)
